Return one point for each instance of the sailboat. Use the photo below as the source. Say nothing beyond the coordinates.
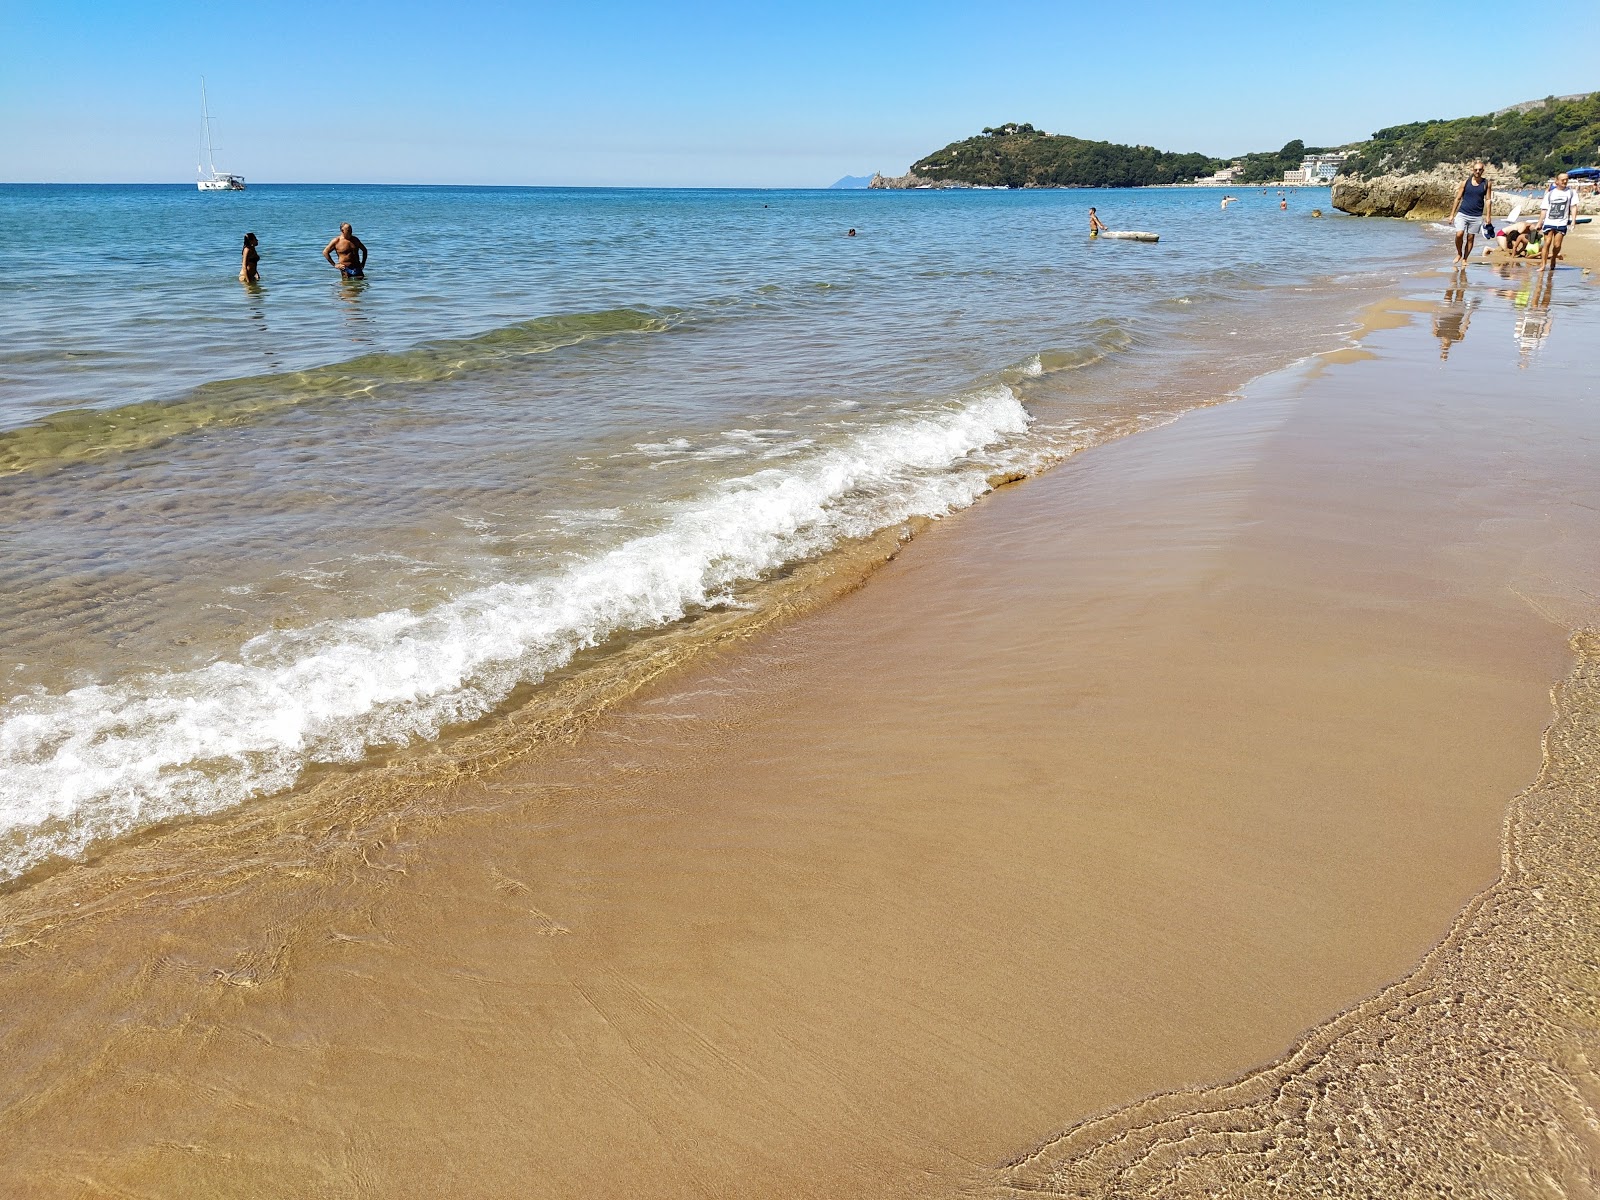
(213, 180)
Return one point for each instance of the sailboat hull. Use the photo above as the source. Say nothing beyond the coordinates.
(211, 179)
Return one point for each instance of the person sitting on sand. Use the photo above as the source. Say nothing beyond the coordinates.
(248, 269)
(352, 262)
(1096, 225)
(1469, 210)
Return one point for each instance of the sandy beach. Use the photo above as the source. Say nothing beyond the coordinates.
(1125, 781)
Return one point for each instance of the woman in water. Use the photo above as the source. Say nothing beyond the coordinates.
(248, 272)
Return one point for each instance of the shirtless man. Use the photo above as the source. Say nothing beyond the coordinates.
(352, 262)
(1096, 225)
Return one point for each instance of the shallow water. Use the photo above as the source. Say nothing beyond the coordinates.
(251, 530)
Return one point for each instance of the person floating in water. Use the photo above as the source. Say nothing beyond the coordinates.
(850, 233)
(248, 269)
(352, 262)
(1096, 225)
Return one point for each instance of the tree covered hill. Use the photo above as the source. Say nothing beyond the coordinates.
(1540, 137)
(1016, 155)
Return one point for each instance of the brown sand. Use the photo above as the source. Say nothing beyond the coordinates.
(1114, 784)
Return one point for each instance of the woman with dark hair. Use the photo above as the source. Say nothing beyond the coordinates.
(248, 272)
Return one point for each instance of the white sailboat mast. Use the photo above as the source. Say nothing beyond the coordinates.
(205, 121)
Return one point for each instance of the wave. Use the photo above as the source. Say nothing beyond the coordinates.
(104, 760)
(79, 434)
(1104, 337)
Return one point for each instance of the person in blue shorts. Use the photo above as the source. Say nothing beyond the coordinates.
(352, 254)
(1560, 206)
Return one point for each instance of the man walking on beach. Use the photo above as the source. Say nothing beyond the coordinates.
(1560, 206)
(352, 254)
(1467, 213)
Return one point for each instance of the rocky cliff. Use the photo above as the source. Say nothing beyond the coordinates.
(909, 180)
(1426, 196)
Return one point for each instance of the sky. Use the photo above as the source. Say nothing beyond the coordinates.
(748, 94)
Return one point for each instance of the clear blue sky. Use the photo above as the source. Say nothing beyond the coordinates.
(721, 94)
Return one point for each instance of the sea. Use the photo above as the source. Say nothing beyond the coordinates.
(256, 533)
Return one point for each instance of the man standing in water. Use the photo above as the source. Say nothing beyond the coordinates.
(1469, 210)
(352, 254)
(1095, 224)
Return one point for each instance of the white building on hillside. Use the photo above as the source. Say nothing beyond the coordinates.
(1315, 169)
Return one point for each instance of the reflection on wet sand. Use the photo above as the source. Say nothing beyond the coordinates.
(1533, 323)
(1454, 315)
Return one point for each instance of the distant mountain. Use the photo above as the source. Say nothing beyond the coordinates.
(851, 181)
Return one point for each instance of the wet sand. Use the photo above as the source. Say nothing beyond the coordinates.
(1118, 783)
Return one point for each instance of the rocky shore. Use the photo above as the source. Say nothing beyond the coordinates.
(908, 181)
(1429, 195)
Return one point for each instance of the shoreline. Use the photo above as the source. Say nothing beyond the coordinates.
(570, 698)
(837, 971)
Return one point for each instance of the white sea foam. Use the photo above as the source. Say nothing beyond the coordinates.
(102, 760)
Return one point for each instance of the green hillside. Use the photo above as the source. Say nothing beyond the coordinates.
(1540, 138)
(1021, 156)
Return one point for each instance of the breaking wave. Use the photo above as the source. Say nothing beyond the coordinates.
(100, 761)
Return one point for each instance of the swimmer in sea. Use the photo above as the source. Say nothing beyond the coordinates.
(1227, 200)
(850, 233)
(1096, 225)
(248, 270)
(352, 262)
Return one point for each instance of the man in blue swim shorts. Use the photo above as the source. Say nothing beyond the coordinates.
(352, 254)
(1560, 206)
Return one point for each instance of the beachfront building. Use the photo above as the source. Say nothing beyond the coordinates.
(1315, 170)
(1222, 178)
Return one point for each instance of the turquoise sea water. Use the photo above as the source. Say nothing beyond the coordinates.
(253, 529)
